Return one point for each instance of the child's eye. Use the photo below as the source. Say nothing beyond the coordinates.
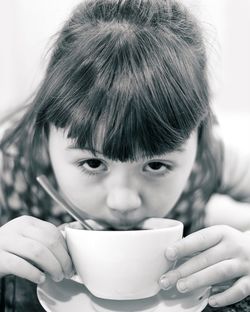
(158, 167)
(92, 166)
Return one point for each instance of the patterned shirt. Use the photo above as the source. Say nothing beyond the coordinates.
(19, 195)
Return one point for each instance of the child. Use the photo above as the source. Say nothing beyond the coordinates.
(122, 126)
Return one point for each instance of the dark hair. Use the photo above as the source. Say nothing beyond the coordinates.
(136, 69)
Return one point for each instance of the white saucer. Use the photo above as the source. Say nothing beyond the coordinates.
(71, 296)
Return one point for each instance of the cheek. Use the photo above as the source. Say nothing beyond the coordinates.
(162, 197)
(77, 187)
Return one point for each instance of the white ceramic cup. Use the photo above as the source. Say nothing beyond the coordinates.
(123, 265)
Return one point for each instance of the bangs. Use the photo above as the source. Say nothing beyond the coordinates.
(140, 90)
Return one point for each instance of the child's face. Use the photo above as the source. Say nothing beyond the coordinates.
(120, 193)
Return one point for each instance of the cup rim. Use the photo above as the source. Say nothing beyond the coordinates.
(171, 224)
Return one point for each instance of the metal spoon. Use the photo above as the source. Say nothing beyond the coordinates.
(58, 198)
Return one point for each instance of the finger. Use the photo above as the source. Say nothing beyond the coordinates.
(27, 223)
(62, 227)
(197, 263)
(195, 242)
(50, 231)
(75, 225)
(52, 238)
(12, 264)
(217, 273)
(239, 291)
(220, 287)
(37, 254)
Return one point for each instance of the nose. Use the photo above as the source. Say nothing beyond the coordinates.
(123, 200)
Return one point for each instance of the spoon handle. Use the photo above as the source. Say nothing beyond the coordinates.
(47, 186)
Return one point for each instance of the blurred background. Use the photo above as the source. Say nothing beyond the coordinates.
(27, 28)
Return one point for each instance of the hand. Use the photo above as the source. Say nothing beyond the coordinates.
(218, 254)
(30, 247)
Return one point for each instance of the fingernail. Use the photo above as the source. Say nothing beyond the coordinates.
(164, 283)
(182, 286)
(42, 279)
(171, 253)
(212, 301)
